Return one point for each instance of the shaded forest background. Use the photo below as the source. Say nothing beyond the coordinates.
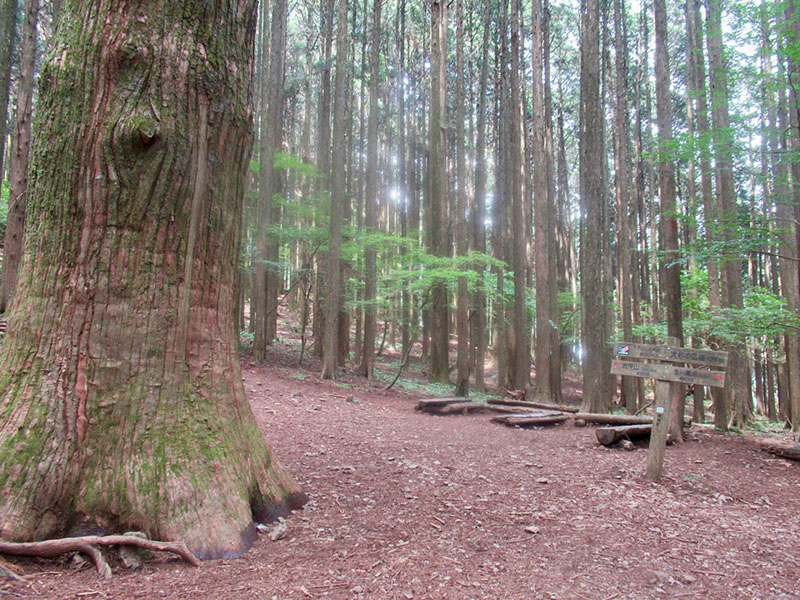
(512, 183)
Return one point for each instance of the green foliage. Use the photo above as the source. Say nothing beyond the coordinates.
(291, 162)
(246, 339)
(763, 318)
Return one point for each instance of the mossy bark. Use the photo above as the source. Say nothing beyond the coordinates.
(121, 398)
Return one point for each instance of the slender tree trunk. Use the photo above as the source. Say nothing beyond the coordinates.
(20, 150)
(622, 184)
(552, 222)
(462, 323)
(402, 164)
(698, 87)
(371, 201)
(333, 300)
(738, 387)
(520, 359)
(437, 190)
(500, 206)
(594, 367)
(8, 28)
(326, 9)
(543, 204)
(120, 377)
(787, 226)
(267, 277)
(670, 265)
(479, 213)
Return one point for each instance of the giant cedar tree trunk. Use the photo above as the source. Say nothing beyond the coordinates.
(122, 403)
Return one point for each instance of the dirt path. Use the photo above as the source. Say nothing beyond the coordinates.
(407, 505)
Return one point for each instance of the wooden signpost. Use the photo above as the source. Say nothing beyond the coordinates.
(707, 368)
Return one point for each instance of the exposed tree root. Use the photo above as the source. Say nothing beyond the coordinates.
(89, 545)
(9, 571)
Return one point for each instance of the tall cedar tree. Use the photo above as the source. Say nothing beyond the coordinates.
(437, 189)
(594, 367)
(519, 363)
(268, 278)
(462, 239)
(670, 263)
(333, 301)
(120, 388)
(371, 200)
(737, 389)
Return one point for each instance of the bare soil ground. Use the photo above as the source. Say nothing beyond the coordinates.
(408, 505)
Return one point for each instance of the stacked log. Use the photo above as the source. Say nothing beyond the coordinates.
(531, 418)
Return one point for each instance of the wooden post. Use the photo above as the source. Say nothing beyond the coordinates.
(658, 436)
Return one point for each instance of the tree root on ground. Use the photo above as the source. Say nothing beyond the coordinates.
(89, 545)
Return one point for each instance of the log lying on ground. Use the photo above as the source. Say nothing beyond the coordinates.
(512, 409)
(456, 407)
(426, 403)
(535, 418)
(614, 433)
(89, 545)
(567, 409)
(612, 419)
(782, 449)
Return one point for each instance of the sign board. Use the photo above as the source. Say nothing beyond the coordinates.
(672, 354)
(652, 362)
(668, 373)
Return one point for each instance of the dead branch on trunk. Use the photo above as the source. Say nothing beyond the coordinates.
(89, 545)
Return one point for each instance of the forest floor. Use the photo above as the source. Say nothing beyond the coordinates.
(408, 505)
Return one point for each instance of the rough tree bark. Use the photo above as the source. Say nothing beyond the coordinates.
(594, 366)
(120, 388)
